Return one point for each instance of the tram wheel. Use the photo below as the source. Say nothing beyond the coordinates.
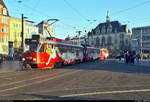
(58, 65)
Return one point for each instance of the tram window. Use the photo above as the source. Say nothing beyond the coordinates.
(73, 50)
(76, 49)
(62, 49)
(81, 49)
(33, 47)
(68, 48)
(92, 51)
(42, 48)
(52, 46)
(59, 47)
(56, 46)
(48, 46)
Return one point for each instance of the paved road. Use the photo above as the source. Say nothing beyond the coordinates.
(91, 81)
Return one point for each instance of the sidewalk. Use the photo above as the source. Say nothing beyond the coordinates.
(141, 63)
(10, 65)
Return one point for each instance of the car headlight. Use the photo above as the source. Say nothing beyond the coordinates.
(34, 59)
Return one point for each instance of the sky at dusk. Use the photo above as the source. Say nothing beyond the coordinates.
(83, 15)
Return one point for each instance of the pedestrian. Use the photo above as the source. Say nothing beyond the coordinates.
(132, 58)
(11, 53)
(137, 57)
(126, 57)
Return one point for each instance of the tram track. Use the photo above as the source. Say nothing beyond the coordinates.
(12, 73)
(30, 79)
(6, 88)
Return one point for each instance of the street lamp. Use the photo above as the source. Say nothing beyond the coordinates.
(141, 41)
(22, 32)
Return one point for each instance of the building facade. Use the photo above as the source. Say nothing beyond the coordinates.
(30, 29)
(4, 28)
(141, 37)
(15, 33)
(111, 35)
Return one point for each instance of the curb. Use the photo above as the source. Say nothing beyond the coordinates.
(147, 64)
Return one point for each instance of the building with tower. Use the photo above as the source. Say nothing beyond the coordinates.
(111, 35)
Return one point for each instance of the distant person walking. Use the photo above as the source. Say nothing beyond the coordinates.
(11, 53)
(137, 57)
(132, 56)
(126, 56)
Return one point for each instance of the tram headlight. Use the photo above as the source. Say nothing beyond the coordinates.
(23, 59)
(34, 59)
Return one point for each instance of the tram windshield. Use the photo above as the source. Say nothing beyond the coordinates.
(33, 47)
(41, 48)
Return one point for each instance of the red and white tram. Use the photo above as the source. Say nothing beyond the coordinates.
(104, 53)
(57, 52)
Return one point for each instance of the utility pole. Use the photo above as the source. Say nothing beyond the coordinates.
(22, 33)
(141, 41)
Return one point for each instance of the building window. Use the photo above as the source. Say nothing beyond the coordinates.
(121, 36)
(109, 29)
(5, 20)
(0, 38)
(4, 38)
(109, 40)
(127, 42)
(116, 41)
(20, 34)
(97, 41)
(4, 11)
(16, 25)
(92, 42)
(103, 29)
(103, 41)
(4, 29)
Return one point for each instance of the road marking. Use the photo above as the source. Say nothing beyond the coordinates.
(106, 92)
(37, 82)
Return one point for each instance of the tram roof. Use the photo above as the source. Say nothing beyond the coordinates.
(93, 48)
(62, 43)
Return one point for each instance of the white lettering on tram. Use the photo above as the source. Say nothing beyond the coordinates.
(52, 56)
